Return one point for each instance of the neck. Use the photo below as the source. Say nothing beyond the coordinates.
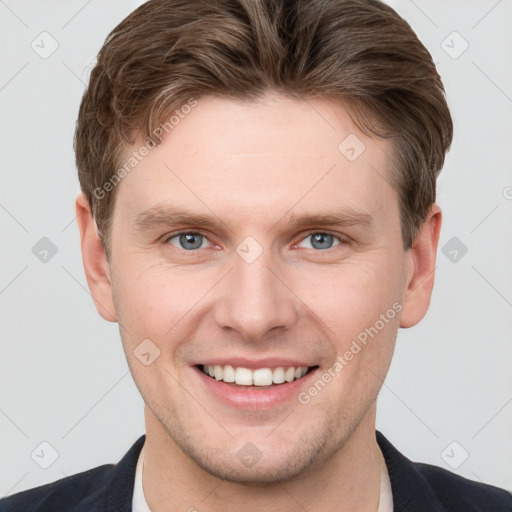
(349, 480)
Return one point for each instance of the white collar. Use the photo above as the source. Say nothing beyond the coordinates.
(139, 503)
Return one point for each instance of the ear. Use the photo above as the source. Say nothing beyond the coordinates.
(420, 267)
(96, 266)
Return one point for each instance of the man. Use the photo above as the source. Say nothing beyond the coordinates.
(258, 215)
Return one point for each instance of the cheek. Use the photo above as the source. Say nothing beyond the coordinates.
(353, 296)
(155, 298)
(158, 301)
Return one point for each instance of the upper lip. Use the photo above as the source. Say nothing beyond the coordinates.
(253, 364)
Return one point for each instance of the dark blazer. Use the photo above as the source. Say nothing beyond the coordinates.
(416, 487)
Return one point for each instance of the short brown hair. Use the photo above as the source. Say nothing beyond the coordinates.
(360, 52)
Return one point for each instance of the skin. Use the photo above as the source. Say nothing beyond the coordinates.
(251, 166)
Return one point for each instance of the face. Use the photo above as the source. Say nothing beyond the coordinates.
(249, 238)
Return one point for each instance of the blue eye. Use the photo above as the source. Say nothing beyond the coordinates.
(190, 241)
(321, 241)
(187, 240)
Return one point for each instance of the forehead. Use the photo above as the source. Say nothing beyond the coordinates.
(271, 156)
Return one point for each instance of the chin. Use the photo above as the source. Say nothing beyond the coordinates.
(270, 466)
(285, 467)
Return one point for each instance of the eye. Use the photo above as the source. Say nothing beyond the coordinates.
(190, 240)
(187, 240)
(321, 240)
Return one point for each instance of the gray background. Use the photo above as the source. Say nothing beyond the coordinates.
(64, 379)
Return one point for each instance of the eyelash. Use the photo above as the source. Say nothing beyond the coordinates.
(342, 240)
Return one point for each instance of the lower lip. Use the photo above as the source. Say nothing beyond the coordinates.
(255, 398)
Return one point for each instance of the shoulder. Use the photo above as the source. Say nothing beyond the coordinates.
(427, 488)
(451, 489)
(105, 487)
(73, 493)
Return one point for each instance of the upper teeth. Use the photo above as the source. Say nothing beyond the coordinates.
(259, 377)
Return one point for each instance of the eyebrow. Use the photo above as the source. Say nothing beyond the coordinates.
(164, 216)
(161, 216)
(346, 216)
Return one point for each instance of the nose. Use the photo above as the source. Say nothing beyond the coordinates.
(255, 299)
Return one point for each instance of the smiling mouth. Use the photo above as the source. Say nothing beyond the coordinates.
(258, 378)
